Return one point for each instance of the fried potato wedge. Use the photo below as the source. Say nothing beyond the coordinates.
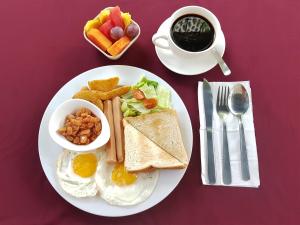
(104, 85)
(113, 93)
(91, 96)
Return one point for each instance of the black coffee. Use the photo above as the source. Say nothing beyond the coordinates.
(192, 33)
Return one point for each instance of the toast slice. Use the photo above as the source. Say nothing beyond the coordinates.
(141, 154)
(162, 128)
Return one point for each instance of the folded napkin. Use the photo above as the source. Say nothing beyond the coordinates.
(233, 140)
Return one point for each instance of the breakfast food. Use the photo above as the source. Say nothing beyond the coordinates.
(91, 24)
(89, 95)
(76, 172)
(114, 92)
(162, 130)
(112, 30)
(81, 128)
(118, 127)
(104, 84)
(83, 174)
(132, 30)
(99, 39)
(105, 28)
(146, 96)
(142, 153)
(103, 15)
(110, 147)
(100, 90)
(118, 46)
(126, 19)
(118, 187)
(109, 91)
(144, 138)
(150, 103)
(116, 33)
(115, 17)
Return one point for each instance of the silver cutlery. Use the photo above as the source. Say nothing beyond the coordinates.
(238, 104)
(223, 111)
(208, 110)
(225, 69)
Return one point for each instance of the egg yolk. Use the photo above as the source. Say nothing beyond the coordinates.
(121, 177)
(84, 165)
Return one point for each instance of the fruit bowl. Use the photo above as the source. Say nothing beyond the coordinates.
(113, 57)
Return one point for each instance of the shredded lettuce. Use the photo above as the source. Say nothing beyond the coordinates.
(144, 81)
(128, 95)
(163, 97)
(149, 91)
(139, 107)
(130, 112)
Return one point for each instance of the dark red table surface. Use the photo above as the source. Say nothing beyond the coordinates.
(41, 48)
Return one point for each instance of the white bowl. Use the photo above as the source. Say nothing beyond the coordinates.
(70, 106)
(124, 50)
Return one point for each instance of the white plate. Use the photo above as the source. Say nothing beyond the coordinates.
(188, 66)
(49, 150)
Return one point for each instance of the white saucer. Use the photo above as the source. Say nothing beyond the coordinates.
(184, 66)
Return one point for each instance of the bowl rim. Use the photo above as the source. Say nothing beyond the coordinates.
(100, 141)
(124, 50)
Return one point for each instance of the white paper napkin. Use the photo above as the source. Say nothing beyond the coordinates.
(233, 140)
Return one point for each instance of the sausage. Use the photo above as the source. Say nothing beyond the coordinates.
(119, 129)
(110, 146)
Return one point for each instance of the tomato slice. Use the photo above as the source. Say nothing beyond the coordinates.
(138, 94)
(106, 27)
(150, 103)
(115, 16)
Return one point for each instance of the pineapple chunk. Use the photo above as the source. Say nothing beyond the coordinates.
(103, 15)
(126, 18)
(95, 23)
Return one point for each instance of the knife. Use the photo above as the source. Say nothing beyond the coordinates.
(208, 110)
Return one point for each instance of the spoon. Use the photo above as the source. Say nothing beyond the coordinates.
(238, 103)
(225, 69)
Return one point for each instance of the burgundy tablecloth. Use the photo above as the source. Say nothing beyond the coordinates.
(41, 48)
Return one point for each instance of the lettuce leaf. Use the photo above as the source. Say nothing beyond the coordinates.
(149, 91)
(144, 81)
(163, 97)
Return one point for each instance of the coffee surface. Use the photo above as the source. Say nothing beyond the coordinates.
(193, 33)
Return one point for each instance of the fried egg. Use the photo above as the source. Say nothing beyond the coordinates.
(119, 187)
(76, 173)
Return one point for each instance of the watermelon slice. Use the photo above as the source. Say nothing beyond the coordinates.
(106, 27)
(115, 16)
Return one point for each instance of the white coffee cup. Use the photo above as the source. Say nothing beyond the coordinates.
(169, 43)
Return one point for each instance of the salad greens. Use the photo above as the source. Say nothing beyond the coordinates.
(144, 81)
(151, 89)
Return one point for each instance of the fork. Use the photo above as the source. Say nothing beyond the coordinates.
(223, 111)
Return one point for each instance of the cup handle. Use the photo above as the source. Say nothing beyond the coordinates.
(157, 36)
